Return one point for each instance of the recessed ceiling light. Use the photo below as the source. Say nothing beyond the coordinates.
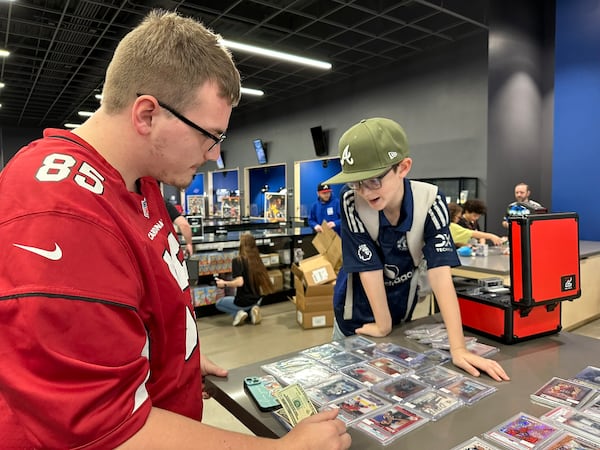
(4, 53)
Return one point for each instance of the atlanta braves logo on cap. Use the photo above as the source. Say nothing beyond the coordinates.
(346, 157)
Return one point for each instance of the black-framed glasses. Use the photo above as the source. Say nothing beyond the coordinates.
(370, 183)
(217, 139)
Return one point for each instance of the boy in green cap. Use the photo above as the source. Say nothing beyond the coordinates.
(390, 228)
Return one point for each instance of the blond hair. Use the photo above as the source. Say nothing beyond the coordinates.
(168, 56)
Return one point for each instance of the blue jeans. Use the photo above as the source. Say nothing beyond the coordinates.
(226, 305)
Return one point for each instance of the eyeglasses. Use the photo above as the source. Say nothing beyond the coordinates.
(217, 139)
(370, 183)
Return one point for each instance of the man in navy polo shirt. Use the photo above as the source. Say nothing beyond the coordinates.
(390, 227)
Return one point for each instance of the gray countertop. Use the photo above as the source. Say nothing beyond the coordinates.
(497, 263)
(530, 364)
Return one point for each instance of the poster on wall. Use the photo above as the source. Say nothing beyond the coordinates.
(230, 207)
(275, 208)
(196, 205)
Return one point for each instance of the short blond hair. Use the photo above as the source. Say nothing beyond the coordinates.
(169, 56)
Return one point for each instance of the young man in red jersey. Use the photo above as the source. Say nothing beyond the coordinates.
(98, 340)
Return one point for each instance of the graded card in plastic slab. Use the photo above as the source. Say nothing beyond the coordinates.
(442, 335)
(288, 366)
(570, 441)
(333, 389)
(389, 366)
(365, 374)
(481, 349)
(475, 443)
(437, 356)
(404, 355)
(321, 351)
(593, 406)
(575, 421)
(365, 352)
(589, 376)
(341, 360)
(356, 406)
(353, 342)
(436, 376)
(523, 431)
(469, 391)
(559, 391)
(300, 369)
(427, 329)
(389, 424)
(282, 418)
(434, 404)
(399, 389)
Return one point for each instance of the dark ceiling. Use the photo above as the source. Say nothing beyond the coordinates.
(61, 48)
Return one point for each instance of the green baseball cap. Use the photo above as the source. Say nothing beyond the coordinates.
(369, 148)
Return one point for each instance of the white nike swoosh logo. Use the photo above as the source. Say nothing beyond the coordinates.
(53, 255)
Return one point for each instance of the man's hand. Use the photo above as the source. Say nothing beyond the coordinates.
(208, 367)
(470, 362)
(331, 224)
(320, 431)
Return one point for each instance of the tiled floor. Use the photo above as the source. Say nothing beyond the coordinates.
(278, 333)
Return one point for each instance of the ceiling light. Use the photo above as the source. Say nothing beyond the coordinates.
(72, 125)
(98, 96)
(2, 85)
(4, 53)
(85, 113)
(249, 91)
(275, 54)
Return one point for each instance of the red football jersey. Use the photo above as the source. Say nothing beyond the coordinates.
(96, 318)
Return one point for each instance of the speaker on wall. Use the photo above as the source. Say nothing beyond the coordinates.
(319, 141)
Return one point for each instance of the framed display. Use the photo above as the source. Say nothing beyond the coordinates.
(196, 205)
(275, 207)
(230, 207)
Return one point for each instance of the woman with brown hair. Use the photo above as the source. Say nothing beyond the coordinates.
(250, 285)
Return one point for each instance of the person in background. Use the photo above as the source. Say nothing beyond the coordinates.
(184, 227)
(373, 290)
(326, 208)
(461, 235)
(522, 204)
(250, 285)
(113, 358)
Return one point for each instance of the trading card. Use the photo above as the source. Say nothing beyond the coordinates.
(559, 391)
(333, 389)
(343, 359)
(593, 406)
(481, 349)
(365, 374)
(288, 366)
(570, 441)
(436, 376)
(434, 404)
(282, 418)
(365, 352)
(424, 330)
(589, 376)
(475, 443)
(389, 366)
(388, 424)
(399, 389)
(522, 431)
(437, 356)
(584, 424)
(353, 343)
(357, 406)
(469, 391)
(321, 351)
(403, 355)
(309, 376)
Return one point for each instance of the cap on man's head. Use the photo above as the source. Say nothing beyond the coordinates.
(323, 187)
(369, 148)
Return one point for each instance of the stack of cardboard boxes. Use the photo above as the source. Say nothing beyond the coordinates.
(314, 280)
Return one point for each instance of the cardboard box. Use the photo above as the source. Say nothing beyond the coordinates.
(315, 319)
(313, 304)
(319, 292)
(276, 279)
(314, 271)
(329, 245)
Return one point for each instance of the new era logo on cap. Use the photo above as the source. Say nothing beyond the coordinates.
(393, 155)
